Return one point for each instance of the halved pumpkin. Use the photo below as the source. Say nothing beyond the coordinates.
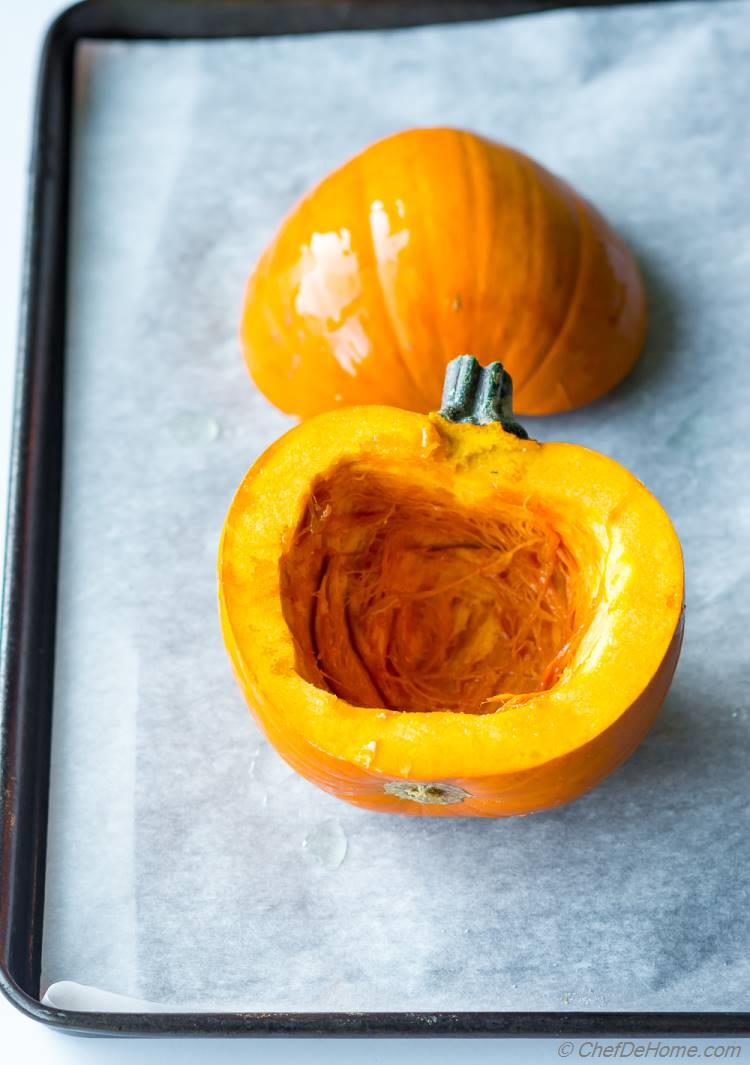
(434, 614)
(430, 242)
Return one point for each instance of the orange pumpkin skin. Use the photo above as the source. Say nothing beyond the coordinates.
(537, 750)
(501, 795)
(429, 243)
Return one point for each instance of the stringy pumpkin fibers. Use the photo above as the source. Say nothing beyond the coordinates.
(398, 597)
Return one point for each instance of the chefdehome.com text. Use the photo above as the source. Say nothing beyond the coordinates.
(629, 1049)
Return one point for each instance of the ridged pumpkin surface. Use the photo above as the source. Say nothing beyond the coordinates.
(429, 243)
(430, 617)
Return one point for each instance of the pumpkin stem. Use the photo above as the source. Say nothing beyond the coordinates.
(479, 394)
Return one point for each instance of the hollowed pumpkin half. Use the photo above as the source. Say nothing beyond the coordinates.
(433, 614)
(428, 243)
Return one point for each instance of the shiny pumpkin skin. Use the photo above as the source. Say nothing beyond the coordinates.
(534, 756)
(429, 243)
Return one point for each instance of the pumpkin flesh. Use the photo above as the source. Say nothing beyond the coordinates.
(344, 669)
(398, 597)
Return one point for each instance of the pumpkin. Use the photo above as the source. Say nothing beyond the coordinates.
(431, 242)
(435, 614)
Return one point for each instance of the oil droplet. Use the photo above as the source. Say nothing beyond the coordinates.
(326, 844)
(193, 429)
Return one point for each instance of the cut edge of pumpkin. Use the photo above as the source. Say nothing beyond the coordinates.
(443, 745)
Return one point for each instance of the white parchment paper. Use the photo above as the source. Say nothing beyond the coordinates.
(187, 865)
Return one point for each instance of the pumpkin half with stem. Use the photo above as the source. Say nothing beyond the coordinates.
(430, 242)
(434, 614)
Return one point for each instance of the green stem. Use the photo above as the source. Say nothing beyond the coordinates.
(479, 395)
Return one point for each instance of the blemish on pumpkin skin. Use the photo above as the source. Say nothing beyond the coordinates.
(427, 794)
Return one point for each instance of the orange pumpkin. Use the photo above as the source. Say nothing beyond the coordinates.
(434, 614)
(430, 242)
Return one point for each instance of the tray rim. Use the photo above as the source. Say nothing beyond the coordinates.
(27, 623)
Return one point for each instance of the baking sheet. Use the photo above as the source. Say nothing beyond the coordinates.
(186, 864)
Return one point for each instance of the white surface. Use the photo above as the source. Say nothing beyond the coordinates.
(22, 1039)
(177, 870)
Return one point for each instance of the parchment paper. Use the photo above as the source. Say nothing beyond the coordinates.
(187, 865)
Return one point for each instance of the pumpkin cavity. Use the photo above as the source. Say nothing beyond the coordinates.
(398, 596)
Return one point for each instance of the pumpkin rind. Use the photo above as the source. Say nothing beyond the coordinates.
(431, 242)
(544, 751)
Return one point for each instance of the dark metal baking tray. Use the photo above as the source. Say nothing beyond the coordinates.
(31, 564)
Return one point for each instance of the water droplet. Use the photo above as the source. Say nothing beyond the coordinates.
(326, 844)
(193, 429)
(270, 768)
